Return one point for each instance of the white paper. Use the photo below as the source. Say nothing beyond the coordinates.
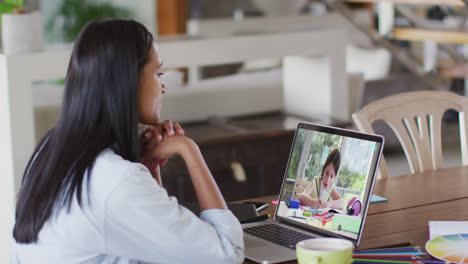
(441, 228)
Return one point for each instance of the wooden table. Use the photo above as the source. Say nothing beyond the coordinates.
(414, 200)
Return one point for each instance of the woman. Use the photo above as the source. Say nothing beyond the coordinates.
(84, 196)
(321, 192)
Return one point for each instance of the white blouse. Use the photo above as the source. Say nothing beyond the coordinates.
(129, 218)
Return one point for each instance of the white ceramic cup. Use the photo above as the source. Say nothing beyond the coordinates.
(324, 251)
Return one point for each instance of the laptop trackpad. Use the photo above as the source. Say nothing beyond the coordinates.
(258, 250)
(254, 243)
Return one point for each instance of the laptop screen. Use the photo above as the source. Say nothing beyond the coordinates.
(329, 179)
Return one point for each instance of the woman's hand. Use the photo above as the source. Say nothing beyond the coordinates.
(206, 189)
(208, 194)
(149, 139)
(171, 146)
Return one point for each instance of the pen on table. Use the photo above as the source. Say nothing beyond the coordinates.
(404, 244)
(361, 261)
(389, 249)
(388, 254)
(399, 260)
(256, 219)
(263, 206)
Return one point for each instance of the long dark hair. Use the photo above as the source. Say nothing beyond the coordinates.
(333, 157)
(99, 111)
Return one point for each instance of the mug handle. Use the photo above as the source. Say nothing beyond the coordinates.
(315, 260)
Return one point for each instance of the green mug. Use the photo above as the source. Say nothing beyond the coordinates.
(324, 251)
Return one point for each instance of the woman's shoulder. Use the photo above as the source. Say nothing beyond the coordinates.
(110, 170)
(109, 162)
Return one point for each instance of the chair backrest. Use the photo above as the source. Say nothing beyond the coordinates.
(416, 119)
(301, 185)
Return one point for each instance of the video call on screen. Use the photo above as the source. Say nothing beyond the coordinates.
(327, 179)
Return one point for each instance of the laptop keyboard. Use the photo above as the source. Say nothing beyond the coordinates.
(277, 234)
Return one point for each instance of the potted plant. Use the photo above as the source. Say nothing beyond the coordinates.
(71, 15)
(21, 31)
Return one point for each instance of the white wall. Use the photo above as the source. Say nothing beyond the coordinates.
(7, 198)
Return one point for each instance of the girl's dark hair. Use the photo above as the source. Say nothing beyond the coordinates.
(335, 158)
(99, 111)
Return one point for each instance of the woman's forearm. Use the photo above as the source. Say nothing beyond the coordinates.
(208, 194)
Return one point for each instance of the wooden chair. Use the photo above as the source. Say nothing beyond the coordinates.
(416, 119)
(301, 185)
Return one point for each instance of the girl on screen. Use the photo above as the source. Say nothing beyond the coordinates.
(321, 192)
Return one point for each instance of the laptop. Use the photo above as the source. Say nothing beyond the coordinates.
(326, 192)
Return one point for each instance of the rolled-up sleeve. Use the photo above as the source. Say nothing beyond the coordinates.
(143, 223)
(228, 228)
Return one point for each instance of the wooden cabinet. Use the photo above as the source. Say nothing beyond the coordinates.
(263, 161)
